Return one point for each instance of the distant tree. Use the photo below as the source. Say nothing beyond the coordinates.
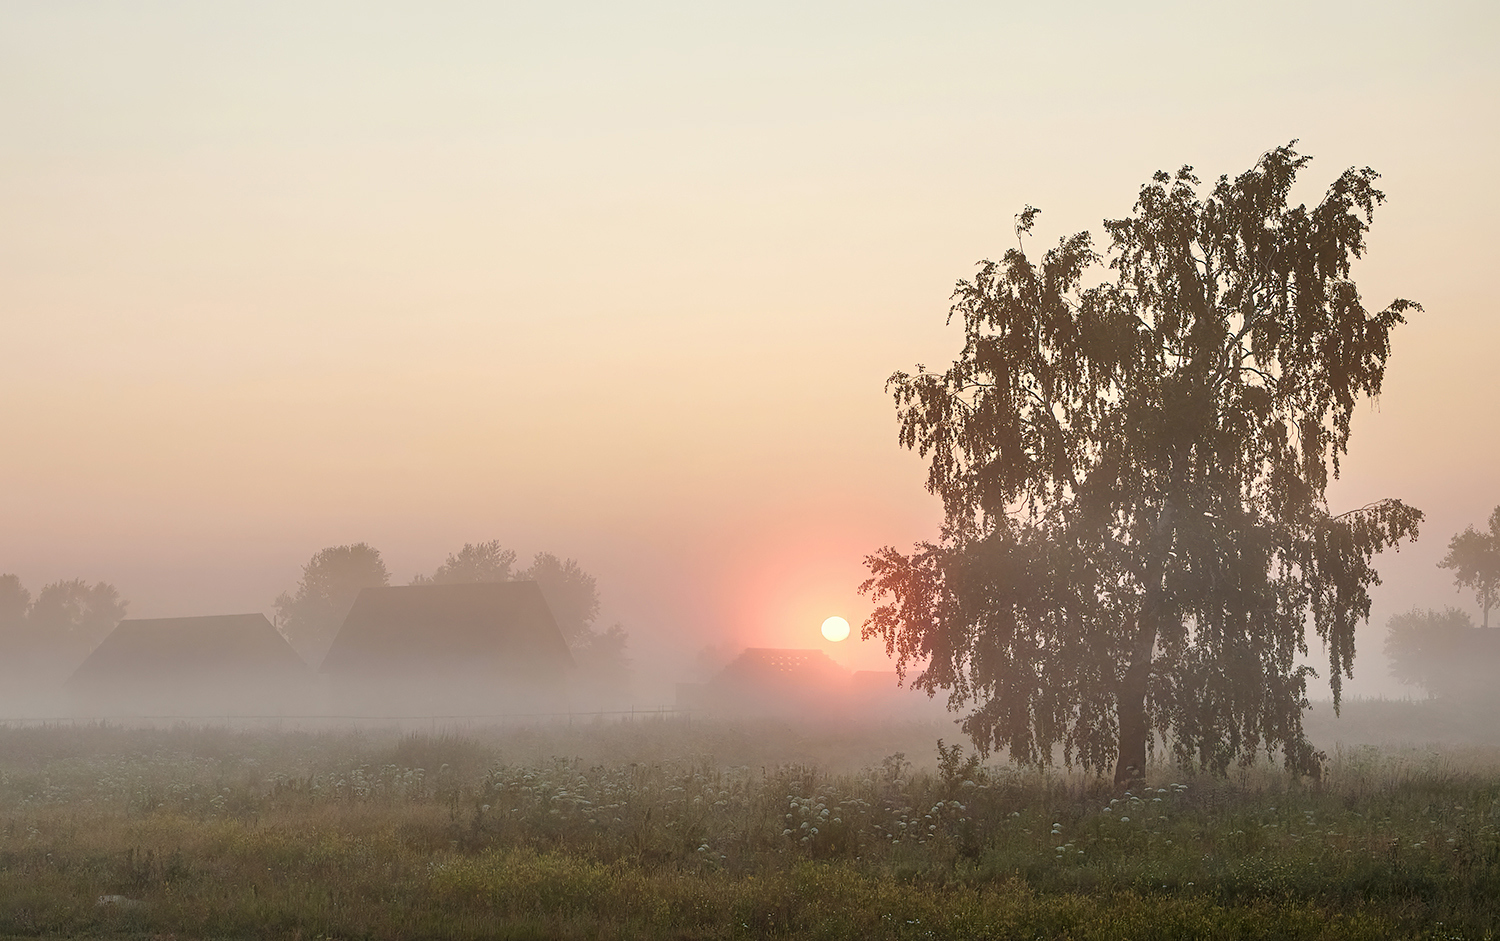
(42, 639)
(1474, 558)
(1134, 478)
(74, 616)
(331, 580)
(475, 562)
(571, 593)
(602, 661)
(15, 601)
(1430, 649)
(573, 596)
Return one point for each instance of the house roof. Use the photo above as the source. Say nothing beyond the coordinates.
(148, 648)
(779, 664)
(504, 626)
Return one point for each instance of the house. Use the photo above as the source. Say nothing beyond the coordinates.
(205, 667)
(801, 683)
(771, 681)
(483, 649)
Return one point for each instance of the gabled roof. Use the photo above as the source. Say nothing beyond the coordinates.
(493, 626)
(144, 649)
(780, 665)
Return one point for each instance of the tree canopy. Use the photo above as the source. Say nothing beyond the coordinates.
(331, 580)
(52, 632)
(1474, 558)
(15, 601)
(1133, 451)
(571, 593)
(76, 613)
(1438, 651)
(475, 562)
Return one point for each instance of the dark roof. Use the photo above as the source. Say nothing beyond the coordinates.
(778, 664)
(492, 626)
(146, 648)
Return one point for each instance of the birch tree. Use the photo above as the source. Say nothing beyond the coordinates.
(1133, 450)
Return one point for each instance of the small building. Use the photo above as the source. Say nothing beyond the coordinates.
(199, 667)
(483, 649)
(801, 683)
(771, 681)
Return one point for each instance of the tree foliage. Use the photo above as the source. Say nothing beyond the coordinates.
(75, 614)
(53, 631)
(1474, 558)
(571, 593)
(1133, 462)
(475, 562)
(1439, 651)
(15, 601)
(331, 580)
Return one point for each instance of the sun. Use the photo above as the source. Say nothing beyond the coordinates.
(835, 628)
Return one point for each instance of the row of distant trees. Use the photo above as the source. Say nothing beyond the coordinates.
(310, 615)
(1442, 651)
(66, 618)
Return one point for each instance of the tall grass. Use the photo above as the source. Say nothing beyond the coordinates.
(553, 832)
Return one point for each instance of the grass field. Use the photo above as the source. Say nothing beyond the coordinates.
(659, 828)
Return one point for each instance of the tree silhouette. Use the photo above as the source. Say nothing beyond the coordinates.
(1134, 479)
(475, 562)
(571, 593)
(74, 614)
(573, 596)
(15, 601)
(44, 638)
(1435, 650)
(331, 581)
(1474, 558)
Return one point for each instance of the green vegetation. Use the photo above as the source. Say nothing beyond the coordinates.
(222, 833)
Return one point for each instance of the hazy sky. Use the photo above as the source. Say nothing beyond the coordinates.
(624, 281)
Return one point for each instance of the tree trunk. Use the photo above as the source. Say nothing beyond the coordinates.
(1130, 700)
(1130, 709)
(1130, 695)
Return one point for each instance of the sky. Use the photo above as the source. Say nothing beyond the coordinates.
(624, 281)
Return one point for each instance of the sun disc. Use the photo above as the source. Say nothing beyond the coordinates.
(835, 628)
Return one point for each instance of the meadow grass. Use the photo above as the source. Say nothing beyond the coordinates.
(549, 832)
